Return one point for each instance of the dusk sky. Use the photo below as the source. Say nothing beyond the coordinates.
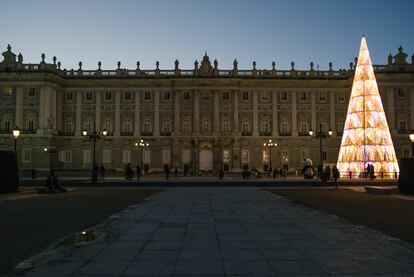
(149, 31)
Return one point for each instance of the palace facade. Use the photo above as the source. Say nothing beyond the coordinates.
(198, 119)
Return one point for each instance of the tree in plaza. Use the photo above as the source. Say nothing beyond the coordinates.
(366, 138)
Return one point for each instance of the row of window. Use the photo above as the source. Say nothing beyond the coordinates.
(245, 96)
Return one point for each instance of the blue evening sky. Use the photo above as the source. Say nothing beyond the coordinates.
(263, 31)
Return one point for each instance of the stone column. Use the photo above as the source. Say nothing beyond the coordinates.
(216, 112)
(313, 111)
(42, 110)
(391, 111)
(255, 116)
(236, 112)
(332, 111)
(18, 117)
(196, 115)
(78, 123)
(177, 113)
(294, 116)
(98, 111)
(156, 113)
(137, 123)
(117, 113)
(275, 126)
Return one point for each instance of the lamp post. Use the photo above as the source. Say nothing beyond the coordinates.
(16, 134)
(94, 136)
(51, 151)
(270, 144)
(412, 143)
(320, 135)
(141, 145)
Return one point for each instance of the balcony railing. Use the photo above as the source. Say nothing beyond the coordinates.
(284, 134)
(126, 134)
(66, 133)
(167, 134)
(246, 134)
(29, 131)
(303, 134)
(265, 134)
(147, 134)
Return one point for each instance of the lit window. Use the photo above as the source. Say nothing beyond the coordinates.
(245, 156)
(226, 125)
(284, 126)
(226, 156)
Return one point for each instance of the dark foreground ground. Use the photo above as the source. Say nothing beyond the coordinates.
(385, 213)
(28, 225)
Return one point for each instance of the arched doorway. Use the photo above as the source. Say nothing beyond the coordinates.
(206, 158)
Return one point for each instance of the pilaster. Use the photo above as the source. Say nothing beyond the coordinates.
(216, 112)
(177, 113)
(332, 111)
(137, 129)
(78, 124)
(19, 108)
(313, 110)
(196, 114)
(255, 116)
(156, 113)
(236, 112)
(117, 113)
(275, 131)
(98, 110)
(294, 116)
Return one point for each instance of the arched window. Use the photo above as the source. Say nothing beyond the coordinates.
(205, 127)
(284, 126)
(265, 125)
(225, 125)
(323, 125)
(127, 126)
(304, 128)
(68, 125)
(87, 125)
(245, 126)
(108, 125)
(186, 125)
(166, 125)
(147, 126)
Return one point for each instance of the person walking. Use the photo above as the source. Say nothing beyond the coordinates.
(129, 172)
(102, 172)
(167, 172)
(139, 172)
(52, 183)
(335, 175)
(221, 173)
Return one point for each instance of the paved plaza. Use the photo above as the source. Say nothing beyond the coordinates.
(229, 232)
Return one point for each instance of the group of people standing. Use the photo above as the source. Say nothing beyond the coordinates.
(322, 174)
(129, 172)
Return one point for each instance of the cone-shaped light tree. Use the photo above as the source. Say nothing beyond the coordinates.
(366, 138)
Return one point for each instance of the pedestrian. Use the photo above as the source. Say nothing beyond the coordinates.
(52, 183)
(175, 172)
(102, 172)
(221, 173)
(335, 175)
(167, 172)
(274, 173)
(320, 172)
(129, 172)
(33, 173)
(139, 172)
(350, 174)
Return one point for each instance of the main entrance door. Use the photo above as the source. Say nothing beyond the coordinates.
(206, 160)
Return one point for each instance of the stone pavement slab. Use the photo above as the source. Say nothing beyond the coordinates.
(228, 231)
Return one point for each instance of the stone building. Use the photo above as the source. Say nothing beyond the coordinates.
(198, 119)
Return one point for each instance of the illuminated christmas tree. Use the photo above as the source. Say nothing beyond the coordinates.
(366, 138)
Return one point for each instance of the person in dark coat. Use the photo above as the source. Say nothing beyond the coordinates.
(52, 183)
(335, 175)
(33, 173)
(221, 173)
(102, 172)
(139, 172)
(167, 172)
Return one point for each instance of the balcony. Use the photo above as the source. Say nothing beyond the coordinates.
(285, 134)
(5, 131)
(246, 134)
(126, 134)
(29, 131)
(146, 134)
(166, 134)
(265, 134)
(303, 134)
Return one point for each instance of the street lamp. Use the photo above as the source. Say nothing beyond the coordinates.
(141, 145)
(412, 142)
(270, 144)
(321, 135)
(51, 151)
(16, 134)
(94, 136)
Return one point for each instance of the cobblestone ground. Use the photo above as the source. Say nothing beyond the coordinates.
(231, 232)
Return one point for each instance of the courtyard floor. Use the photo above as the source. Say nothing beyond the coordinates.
(227, 231)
